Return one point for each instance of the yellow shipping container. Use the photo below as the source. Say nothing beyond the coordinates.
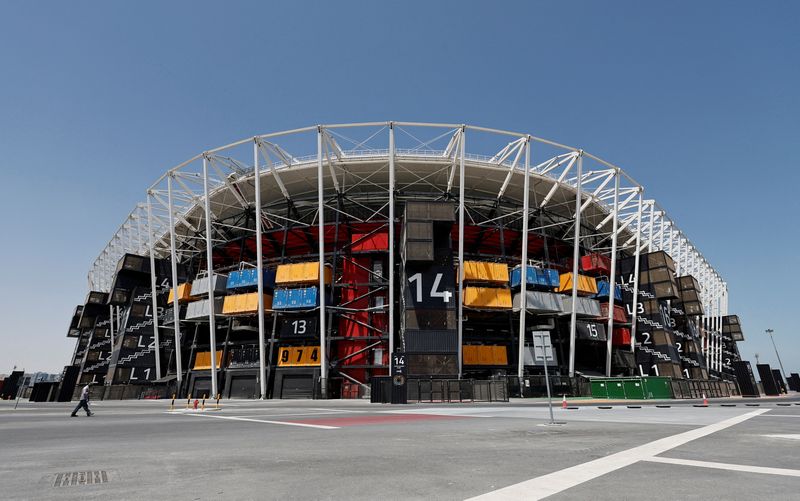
(301, 273)
(586, 285)
(469, 354)
(487, 298)
(500, 355)
(244, 304)
(184, 293)
(485, 271)
(484, 355)
(202, 360)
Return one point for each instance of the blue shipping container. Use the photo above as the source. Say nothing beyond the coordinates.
(602, 290)
(295, 299)
(539, 277)
(248, 279)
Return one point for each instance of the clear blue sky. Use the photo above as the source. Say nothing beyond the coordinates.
(698, 100)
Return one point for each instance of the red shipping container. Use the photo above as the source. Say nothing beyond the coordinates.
(619, 313)
(596, 264)
(370, 242)
(621, 337)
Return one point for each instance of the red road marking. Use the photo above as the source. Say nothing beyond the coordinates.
(375, 419)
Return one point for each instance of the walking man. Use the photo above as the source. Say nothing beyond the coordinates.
(84, 402)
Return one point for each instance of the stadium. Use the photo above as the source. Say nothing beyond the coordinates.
(405, 261)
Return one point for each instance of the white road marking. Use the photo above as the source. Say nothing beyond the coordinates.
(293, 414)
(286, 423)
(328, 410)
(553, 483)
(726, 466)
(781, 415)
(789, 436)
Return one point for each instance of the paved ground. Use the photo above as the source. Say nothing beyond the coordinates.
(357, 450)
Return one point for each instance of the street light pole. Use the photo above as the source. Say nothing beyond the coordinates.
(770, 331)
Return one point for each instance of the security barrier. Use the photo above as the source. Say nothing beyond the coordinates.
(440, 390)
(696, 388)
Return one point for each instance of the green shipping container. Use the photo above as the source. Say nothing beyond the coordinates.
(658, 387)
(634, 389)
(599, 388)
(616, 388)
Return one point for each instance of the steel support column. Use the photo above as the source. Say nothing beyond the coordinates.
(212, 315)
(461, 248)
(391, 240)
(111, 325)
(612, 283)
(323, 355)
(635, 302)
(262, 362)
(650, 229)
(523, 296)
(174, 265)
(575, 262)
(153, 289)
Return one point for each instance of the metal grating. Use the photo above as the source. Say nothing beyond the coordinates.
(80, 478)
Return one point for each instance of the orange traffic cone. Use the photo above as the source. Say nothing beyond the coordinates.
(564, 402)
(705, 400)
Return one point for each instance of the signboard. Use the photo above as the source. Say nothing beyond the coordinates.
(398, 371)
(292, 327)
(541, 351)
(590, 331)
(430, 287)
(298, 356)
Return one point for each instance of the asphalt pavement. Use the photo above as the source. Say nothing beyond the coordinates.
(352, 449)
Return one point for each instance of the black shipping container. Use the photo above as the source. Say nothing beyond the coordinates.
(778, 377)
(431, 341)
(767, 380)
(746, 379)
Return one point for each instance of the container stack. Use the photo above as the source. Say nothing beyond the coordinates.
(731, 334)
(656, 347)
(242, 287)
(684, 313)
(539, 285)
(486, 286)
(198, 310)
(296, 294)
(94, 348)
(428, 327)
(133, 356)
(296, 286)
(486, 291)
(184, 298)
(588, 312)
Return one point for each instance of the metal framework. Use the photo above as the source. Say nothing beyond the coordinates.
(300, 177)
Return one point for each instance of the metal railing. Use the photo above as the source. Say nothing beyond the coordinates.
(442, 390)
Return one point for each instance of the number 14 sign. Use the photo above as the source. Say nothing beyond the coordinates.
(430, 287)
